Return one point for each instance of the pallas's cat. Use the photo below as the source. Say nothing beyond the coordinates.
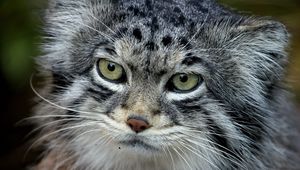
(148, 84)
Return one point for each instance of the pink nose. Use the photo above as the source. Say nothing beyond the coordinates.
(137, 125)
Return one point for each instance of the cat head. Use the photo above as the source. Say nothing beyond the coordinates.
(143, 79)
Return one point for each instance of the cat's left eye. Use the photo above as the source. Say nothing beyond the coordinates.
(184, 82)
(111, 71)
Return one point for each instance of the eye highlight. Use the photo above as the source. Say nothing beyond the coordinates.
(184, 82)
(111, 71)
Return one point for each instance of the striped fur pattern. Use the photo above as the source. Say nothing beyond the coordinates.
(230, 121)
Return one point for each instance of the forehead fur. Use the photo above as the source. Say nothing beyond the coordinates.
(152, 23)
(158, 35)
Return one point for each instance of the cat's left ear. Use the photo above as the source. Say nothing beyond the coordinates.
(265, 36)
(265, 30)
(263, 44)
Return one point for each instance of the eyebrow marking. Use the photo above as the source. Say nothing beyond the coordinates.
(191, 60)
(110, 51)
(105, 50)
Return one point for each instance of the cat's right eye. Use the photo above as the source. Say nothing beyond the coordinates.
(111, 71)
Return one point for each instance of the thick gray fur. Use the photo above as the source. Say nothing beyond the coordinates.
(236, 119)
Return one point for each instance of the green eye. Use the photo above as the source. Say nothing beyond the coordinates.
(111, 71)
(185, 82)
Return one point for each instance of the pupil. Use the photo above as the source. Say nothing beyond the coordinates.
(183, 78)
(111, 67)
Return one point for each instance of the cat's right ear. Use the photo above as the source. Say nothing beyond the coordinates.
(64, 20)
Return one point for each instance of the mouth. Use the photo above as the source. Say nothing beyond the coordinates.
(138, 143)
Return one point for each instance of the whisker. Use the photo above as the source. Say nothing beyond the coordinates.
(102, 23)
(101, 33)
(48, 124)
(206, 146)
(63, 162)
(84, 133)
(206, 17)
(55, 132)
(181, 156)
(236, 137)
(214, 149)
(31, 118)
(169, 152)
(54, 104)
(190, 148)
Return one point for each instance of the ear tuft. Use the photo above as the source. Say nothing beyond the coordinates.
(270, 34)
(262, 45)
(266, 39)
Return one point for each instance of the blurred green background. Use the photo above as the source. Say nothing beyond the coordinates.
(20, 30)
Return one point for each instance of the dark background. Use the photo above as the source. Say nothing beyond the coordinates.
(20, 27)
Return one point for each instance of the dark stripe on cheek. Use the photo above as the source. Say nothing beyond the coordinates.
(60, 82)
(99, 95)
(251, 127)
(245, 116)
(219, 140)
(72, 113)
(216, 134)
(98, 92)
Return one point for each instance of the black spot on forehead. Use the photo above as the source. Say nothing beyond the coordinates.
(148, 4)
(199, 5)
(151, 46)
(137, 34)
(191, 28)
(154, 24)
(177, 10)
(181, 20)
(130, 8)
(185, 43)
(136, 11)
(177, 20)
(121, 16)
(167, 40)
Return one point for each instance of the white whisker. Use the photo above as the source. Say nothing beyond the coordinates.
(201, 26)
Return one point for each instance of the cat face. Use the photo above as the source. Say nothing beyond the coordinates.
(140, 84)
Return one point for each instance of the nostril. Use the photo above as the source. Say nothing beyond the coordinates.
(137, 124)
(130, 125)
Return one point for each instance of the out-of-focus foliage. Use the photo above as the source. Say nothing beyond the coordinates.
(19, 38)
